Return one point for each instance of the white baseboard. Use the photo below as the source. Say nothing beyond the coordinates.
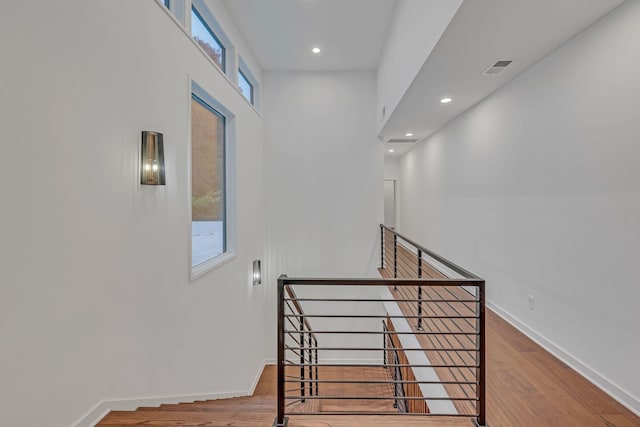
(619, 394)
(254, 384)
(98, 412)
(94, 415)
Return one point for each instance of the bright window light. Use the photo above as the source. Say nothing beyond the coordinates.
(208, 183)
(245, 86)
(204, 36)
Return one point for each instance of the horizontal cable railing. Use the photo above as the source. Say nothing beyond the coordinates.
(302, 342)
(388, 234)
(448, 345)
(391, 357)
(402, 257)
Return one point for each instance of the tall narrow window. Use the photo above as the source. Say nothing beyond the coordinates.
(245, 86)
(204, 36)
(167, 3)
(208, 187)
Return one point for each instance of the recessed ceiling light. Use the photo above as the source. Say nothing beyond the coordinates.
(315, 50)
(446, 100)
(408, 134)
(391, 150)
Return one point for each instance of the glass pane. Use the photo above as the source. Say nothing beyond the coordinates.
(245, 87)
(203, 35)
(167, 3)
(207, 183)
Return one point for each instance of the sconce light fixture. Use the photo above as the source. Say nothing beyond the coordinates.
(152, 159)
(257, 273)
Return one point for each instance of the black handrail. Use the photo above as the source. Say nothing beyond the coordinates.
(476, 336)
(442, 260)
(481, 420)
(307, 341)
(434, 285)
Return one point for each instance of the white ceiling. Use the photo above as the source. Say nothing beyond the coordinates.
(281, 33)
(353, 33)
(481, 33)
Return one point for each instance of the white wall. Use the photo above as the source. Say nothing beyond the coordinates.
(323, 175)
(95, 302)
(323, 172)
(416, 28)
(392, 168)
(537, 189)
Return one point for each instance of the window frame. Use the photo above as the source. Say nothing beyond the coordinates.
(223, 121)
(242, 75)
(207, 26)
(253, 81)
(230, 244)
(175, 9)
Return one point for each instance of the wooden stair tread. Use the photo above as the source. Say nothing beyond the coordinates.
(247, 419)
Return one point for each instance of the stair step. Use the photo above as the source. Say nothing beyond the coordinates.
(217, 407)
(186, 418)
(259, 411)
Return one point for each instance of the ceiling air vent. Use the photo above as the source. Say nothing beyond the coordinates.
(497, 68)
(402, 140)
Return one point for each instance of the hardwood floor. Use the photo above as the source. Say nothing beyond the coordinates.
(344, 389)
(526, 387)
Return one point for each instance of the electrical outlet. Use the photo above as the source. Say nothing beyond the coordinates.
(532, 303)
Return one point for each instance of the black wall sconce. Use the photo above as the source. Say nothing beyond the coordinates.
(257, 273)
(152, 159)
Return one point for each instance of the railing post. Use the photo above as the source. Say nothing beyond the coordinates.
(481, 421)
(395, 258)
(381, 246)
(281, 420)
(302, 361)
(316, 362)
(310, 352)
(384, 344)
(419, 327)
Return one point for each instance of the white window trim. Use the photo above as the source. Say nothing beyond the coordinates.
(242, 66)
(230, 184)
(183, 26)
(176, 8)
(231, 62)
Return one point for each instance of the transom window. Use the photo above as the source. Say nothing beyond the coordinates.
(204, 36)
(245, 86)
